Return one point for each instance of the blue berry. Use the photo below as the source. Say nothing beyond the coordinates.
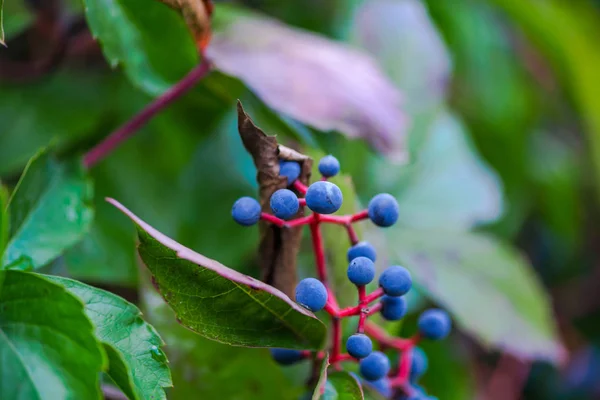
(383, 386)
(375, 366)
(362, 249)
(311, 293)
(324, 197)
(246, 211)
(329, 166)
(286, 356)
(289, 169)
(359, 345)
(383, 210)
(284, 203)
(395, 281)
(361, 271)
(393, 308)
(434, 324)
(418, 364)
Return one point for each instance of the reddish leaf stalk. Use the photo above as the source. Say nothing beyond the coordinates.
(127, 130)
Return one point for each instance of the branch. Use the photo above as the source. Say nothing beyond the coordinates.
(134, 124)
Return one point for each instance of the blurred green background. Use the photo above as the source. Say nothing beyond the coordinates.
(481, 116)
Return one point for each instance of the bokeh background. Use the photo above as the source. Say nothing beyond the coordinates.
(481, 116)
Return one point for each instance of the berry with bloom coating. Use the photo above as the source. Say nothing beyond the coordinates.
(246, 211)
(361, 271)
(362, 249)
(286, 356)
(324, 197)
(434, 324)
(289, 169)
(284, 203)
(393, 308)
(383, 386)
(383, 210)
(419, 364)
(359, 345)
(329, 166)
(311, 293)
(375, 366)
(395, 281)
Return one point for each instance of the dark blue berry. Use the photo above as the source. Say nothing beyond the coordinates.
(284, 203)
(434, 324)
(289, 169)
(418, 364)
(362, 249)
(395, 281)
(383, 210)
(324, 197)
(383, 386)
(361, 271)
(375, 366)
(329, 166)
(246, 211)
(311, 293)
(393, 308)
(286, 356)
(359, 345)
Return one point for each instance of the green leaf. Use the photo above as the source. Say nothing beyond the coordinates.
(342, 386)
(4, 218)
(322, 382)
(136, 362)
(137, 34)
(357, 100)
(49, 210)
(427, 190)
(47, 345)
(220, 303)
(205, 369)
(488, 287)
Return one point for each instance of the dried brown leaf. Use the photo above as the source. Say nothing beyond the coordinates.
(196, 14)
(279, 247)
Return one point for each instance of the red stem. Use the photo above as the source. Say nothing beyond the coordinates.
(359, 216)
(302, 201)
(300, 221)
(317, 241)
(134, 124)
(272, 219)
(404, 368)
(375, 309)
(352, 234)
(337, 339)
(299, 186)
(377, 293)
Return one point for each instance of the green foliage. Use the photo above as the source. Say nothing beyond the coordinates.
(220, 303)
(342, 386)
(136, 362)
(136, 35)
(47, 345)
(49, 210)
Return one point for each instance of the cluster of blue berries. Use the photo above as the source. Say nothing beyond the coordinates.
(323, 198)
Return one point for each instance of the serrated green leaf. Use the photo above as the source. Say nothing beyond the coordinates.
(342, 386)
(132, 345)
(49, 210)
(205, 369)
(222, 304)
(47, 345)
(488, 287)
(137, 34)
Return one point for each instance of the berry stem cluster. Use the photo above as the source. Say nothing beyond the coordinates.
(323, 198)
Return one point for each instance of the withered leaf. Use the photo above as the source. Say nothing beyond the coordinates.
(196, 14)
(279, 247)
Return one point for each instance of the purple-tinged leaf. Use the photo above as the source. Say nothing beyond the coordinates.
(314, 80)
(222, 304)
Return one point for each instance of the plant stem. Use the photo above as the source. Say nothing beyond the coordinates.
(134, 124)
